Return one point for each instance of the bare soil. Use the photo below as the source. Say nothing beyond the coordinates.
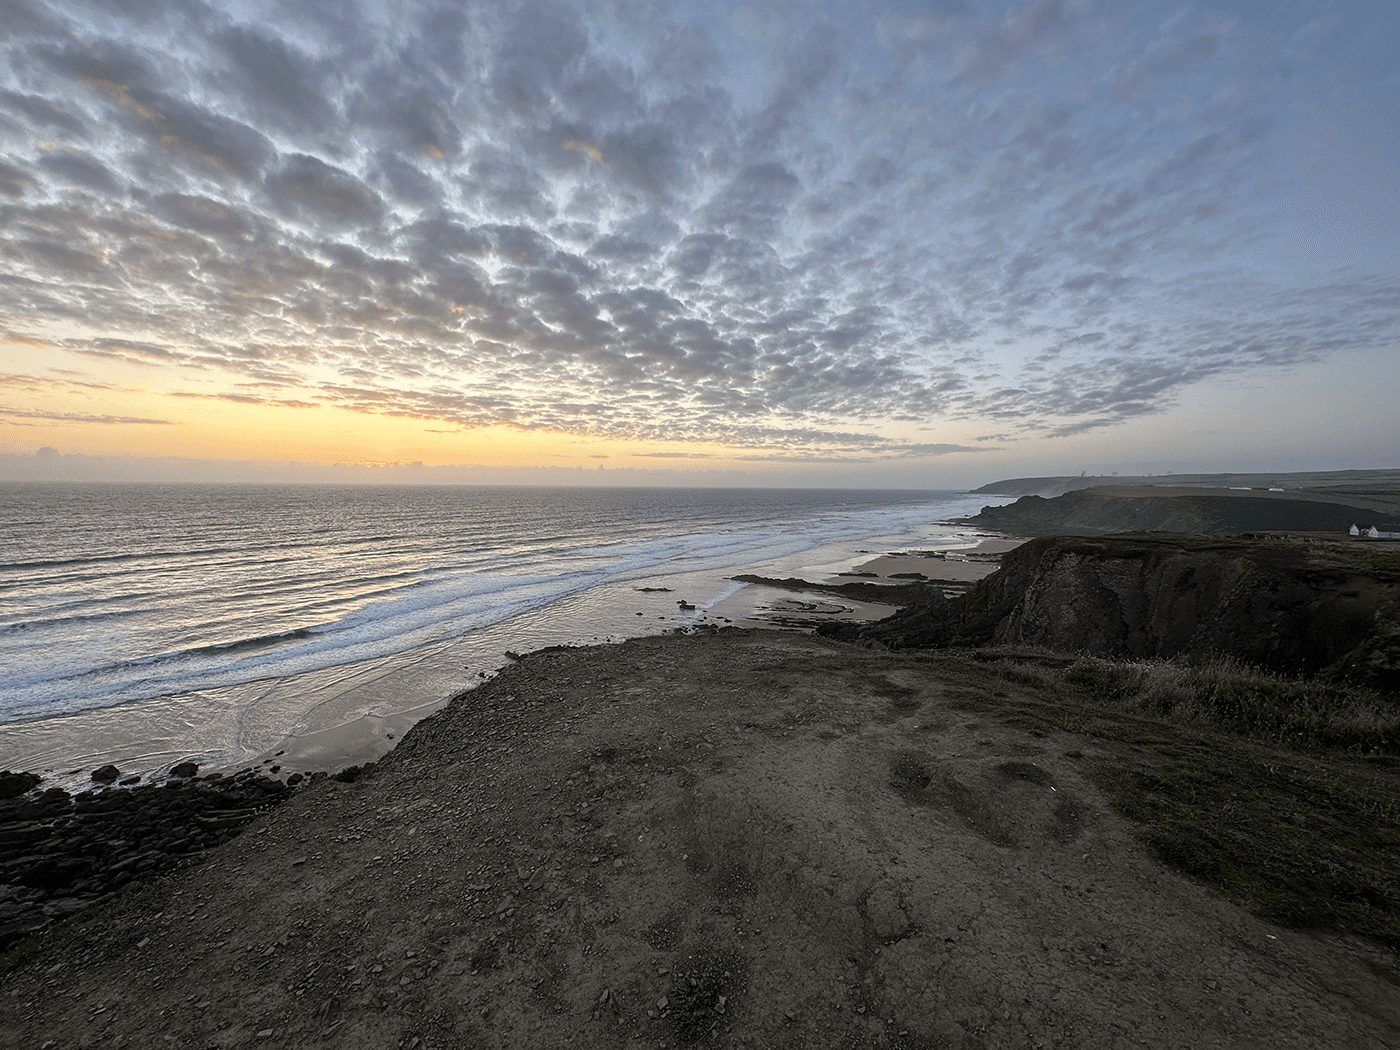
(752, 839)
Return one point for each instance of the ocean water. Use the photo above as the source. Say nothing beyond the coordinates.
(174, 603)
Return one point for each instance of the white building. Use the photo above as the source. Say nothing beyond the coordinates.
(1390, 532)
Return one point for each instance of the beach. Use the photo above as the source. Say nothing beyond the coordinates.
(314, 649)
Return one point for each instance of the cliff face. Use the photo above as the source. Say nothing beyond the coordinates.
(1093, 514)
(1294, 608)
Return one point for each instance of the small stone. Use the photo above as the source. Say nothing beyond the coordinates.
(106, 774)
(266, 1033)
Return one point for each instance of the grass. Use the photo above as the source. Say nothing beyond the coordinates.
(1282, 794)
(1303, 844)
(1226, 694)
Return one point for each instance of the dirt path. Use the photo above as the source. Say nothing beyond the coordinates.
(748, 839)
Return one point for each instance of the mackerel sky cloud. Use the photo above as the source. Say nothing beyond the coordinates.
(841, 230)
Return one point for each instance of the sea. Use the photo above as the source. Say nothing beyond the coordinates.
(152, 624)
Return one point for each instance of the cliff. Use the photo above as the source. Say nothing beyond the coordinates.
(1332, 481)
(1096, 512)
(1292, 607)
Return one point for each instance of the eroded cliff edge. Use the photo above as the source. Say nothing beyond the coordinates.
(1290, 606)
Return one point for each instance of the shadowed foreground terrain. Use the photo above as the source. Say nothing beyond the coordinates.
(763, 839)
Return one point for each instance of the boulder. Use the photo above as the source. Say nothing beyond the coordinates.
(12, 785)
(106, 774)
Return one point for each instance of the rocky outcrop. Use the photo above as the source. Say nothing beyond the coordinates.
(60, 853)
(883, 593)
(1293, 607)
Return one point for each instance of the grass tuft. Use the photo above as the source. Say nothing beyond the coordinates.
(1224, 693)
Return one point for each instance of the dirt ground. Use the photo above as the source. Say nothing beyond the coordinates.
(742, 839)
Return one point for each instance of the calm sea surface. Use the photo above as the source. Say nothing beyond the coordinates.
(116, 595)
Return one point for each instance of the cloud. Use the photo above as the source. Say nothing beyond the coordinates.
(14, 180)
(75, 418)
(795, 232)
(321, 192)
(584, 147)
(1019, 32)
(72, 167)
(275, 75)
(41, 112)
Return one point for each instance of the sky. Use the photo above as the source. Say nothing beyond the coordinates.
(880, 244)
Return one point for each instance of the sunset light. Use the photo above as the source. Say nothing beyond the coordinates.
(923, 248)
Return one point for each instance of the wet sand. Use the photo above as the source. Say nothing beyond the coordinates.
(356, 713)
(957, 567)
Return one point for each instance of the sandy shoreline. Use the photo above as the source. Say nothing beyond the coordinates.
(355, 714)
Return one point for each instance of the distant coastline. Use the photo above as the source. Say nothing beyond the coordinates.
(1210, 504)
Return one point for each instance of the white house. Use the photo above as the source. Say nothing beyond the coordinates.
(1373, 533)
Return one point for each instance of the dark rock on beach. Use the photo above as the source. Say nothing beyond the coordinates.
(106, 774)
(60, 853)
(883, 593)
(15, 784)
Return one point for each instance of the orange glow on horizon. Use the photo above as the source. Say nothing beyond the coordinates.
(108, 408)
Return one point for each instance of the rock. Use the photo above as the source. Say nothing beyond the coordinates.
(185, 769)
(1289, 607)
(62, 907)
(60, 849)
(106, 774)
(12, 785)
